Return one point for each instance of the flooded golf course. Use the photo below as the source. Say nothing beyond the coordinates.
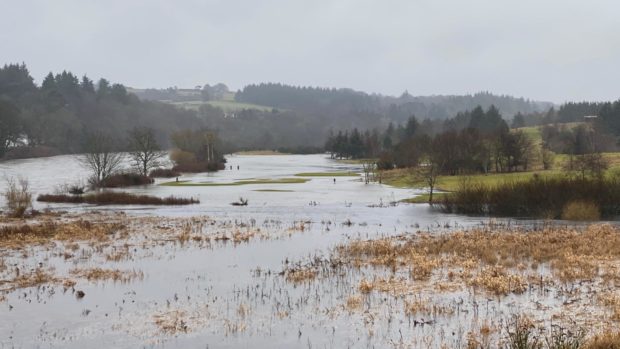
(313, 261)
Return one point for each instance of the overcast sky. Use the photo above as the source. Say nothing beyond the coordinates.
(547, 50)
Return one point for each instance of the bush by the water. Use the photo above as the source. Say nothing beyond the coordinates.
(581, 211)
(543, 197)
(116, 198)
(18, 197)
(197, 167)
(163, 173)
(125, 180)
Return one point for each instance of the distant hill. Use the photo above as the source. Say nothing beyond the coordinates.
(341, 101)
(312, 99)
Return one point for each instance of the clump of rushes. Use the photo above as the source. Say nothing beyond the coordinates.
(116, 198)
(125, 180)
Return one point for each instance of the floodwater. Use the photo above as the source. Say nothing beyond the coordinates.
(225, 295)
(347, 198)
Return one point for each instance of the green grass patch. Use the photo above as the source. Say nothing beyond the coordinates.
(414, 179)
(423, 198)
(225, 105)
(327, 174)
(257, 181)
(355, 161)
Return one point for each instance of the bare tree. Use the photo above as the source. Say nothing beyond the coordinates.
(145, 152)
(593, 164)
(369, 168)
(432, 171)
(547, 158)
(100, 158)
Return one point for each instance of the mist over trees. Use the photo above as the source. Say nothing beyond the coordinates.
(58, 116)
(397, 109)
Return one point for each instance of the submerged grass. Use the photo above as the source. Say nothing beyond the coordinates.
(245, 182)
(100, 274)
(15, 236)
(492, 260)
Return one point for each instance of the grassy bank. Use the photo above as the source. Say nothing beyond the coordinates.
(423, 199)
(412, 178)
(115, 198)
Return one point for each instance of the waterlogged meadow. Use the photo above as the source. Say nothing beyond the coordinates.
(316, 263)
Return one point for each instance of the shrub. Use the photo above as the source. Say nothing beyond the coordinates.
(197, 167)
(125, 180)
(73, 189)
(546, 197)
(470, 198)
(18, 197)
(386, 161)
(116, 198)
(164, 173)
(581, 211)
(182, 157)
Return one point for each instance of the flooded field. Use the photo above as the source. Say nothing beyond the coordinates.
(315, 263)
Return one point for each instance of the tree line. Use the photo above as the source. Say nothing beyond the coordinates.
(340, 102)
(62, 113)
(477, 141)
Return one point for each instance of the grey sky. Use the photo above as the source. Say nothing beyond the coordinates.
(549, 50)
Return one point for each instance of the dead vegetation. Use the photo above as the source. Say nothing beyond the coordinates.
(116, 198)
(19, 235)
(300, 275)
(30, 279)
(171, 322)
(501, 262)
(99, 274)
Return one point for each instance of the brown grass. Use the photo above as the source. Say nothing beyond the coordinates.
(353, 303)
(426, 307)
(99, 274)
(171, 323)
(16, 236)
(493, 260)
(116, 198)
(31, 279)
(300, 275)
(607, 340)
(581, 211)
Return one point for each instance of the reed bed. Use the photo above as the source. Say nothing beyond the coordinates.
(16, 236)
(116, 198)
(545, 197)
(495, 260)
